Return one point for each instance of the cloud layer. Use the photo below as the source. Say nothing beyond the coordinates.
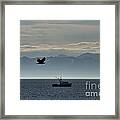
(75, 36)
(93, 47)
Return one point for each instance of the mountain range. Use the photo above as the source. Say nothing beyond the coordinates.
(85, 65)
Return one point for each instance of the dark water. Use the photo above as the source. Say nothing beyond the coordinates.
(41, 89)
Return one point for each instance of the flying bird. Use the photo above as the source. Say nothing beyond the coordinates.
(41, 61)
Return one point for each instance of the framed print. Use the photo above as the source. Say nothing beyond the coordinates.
(60, 60)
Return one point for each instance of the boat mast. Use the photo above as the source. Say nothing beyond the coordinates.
(60, 79)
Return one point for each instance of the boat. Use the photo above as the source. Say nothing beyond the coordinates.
(62, 83)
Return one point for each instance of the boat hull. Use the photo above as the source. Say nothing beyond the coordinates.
(62, 85)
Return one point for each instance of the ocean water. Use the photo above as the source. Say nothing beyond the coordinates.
(42, 89)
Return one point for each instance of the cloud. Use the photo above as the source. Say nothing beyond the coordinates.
(27, 48)
(59, 32)
(73, 47)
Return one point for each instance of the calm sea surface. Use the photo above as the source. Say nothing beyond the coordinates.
(41, 89)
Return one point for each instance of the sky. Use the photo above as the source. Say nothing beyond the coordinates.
(73, 36)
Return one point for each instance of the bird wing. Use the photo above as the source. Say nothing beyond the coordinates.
(43, 59)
